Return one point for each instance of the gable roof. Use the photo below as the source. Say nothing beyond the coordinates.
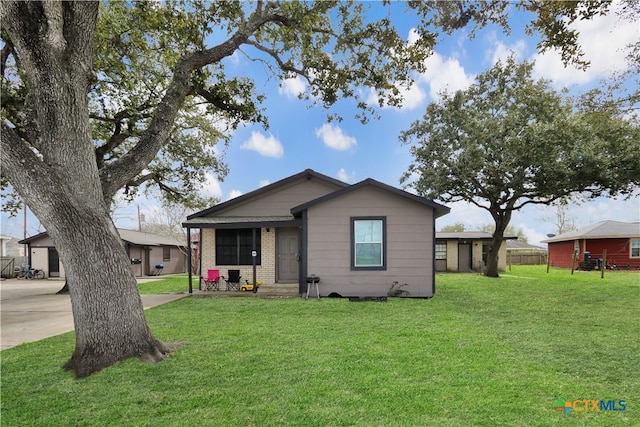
(307, 173)
(148, 239)
(131, 236)
(514, 245)
(440, 209)
(600, 230)
(32, 238)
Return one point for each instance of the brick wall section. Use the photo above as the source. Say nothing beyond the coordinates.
(265, 272)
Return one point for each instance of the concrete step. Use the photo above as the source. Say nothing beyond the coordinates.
(270, 290)
(279, 289)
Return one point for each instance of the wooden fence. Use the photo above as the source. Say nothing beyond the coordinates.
(7, 265)
(526, 257)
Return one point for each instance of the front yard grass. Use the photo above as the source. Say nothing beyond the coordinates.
(482, 352)
(167, 284)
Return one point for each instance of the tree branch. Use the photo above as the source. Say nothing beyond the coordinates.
(116, 174)
(117, 137)
(272, 53)
(26, 172)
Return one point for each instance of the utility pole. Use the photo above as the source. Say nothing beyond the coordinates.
(24, 229)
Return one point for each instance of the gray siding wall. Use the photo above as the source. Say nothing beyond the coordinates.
(409, 244)
(176, 264)
(280, 201)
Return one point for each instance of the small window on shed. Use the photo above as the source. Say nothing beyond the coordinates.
(166, 253)
(441, 251)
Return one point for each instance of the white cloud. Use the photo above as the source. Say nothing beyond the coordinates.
(603, 209)
(412, 97)
(234, 58)
(211, 187)
(501, 51)
(444, 74)
(334, 137)
(533, 236)
(265, 146)
(603, 40)
(292, 88)
(345, 176)
(234, 193)
(413, 37)
(466, 213)
(263, 183)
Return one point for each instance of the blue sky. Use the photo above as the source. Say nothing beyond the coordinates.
(300, 137)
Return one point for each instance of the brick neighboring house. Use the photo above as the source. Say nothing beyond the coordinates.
(146, 250)
(621, 240)
(357, 238)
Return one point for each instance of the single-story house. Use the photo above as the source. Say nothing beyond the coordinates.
(621, 240)
(358, 239)
(465, 251)
(146, 251)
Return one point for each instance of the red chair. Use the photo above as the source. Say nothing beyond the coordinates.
(212, 282)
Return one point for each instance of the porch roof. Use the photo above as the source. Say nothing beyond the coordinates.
(242, 222)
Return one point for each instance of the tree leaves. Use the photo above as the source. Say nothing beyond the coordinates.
(154, 59)
(510, 141)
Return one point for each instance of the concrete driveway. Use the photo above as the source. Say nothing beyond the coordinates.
(30, 310)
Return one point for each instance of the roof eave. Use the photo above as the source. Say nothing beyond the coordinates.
(294, 222)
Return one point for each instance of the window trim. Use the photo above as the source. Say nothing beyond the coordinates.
(353, 221)
(166, 253)
(436, 252)
(631, 247)
(239, 245)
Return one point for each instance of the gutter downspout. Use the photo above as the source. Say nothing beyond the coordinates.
(302, 274)
(433, 267)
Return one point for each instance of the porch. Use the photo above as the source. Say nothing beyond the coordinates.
(274, 290)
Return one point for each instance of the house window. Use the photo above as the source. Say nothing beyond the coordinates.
(635, 248)
(441, 251)
(368, 243)
(234, 246)
(166, 253)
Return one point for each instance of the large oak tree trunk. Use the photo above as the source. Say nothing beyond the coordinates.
(108, 315)
(492, 258)
(57, 176)
(501, 218)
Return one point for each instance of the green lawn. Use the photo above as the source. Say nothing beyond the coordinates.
(171, 284)
(483, 352)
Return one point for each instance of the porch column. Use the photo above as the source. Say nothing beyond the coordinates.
(189, 259)
(254, 255)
